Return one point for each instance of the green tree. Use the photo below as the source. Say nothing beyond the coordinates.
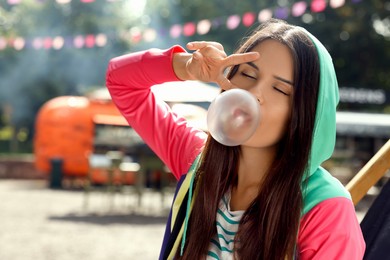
(30, 77)
(360, 49)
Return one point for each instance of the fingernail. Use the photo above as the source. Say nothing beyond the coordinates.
(196, 55)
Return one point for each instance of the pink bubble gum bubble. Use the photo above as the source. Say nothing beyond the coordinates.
(233, 117)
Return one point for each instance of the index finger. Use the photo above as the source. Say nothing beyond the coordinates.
(239, 58)
(201, 44)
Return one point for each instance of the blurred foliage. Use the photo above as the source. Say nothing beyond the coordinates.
(356, 35)
(30, 77)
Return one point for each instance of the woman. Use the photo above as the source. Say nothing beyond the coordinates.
(268, 198)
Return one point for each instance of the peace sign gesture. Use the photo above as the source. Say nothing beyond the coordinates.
(209, 61)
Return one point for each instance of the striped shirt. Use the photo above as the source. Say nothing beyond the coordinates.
(227, 222)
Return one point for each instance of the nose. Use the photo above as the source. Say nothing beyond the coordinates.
(258, 93)
(260, 98)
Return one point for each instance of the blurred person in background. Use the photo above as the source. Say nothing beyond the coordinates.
(268, 198)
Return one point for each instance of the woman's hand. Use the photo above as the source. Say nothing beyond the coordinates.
(209, 61)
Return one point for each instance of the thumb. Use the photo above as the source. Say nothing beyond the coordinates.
(195, 60)
(197, 55)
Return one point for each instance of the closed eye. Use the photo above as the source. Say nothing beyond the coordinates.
(248, 76)
(281, 91)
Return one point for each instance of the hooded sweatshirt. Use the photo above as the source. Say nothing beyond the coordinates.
(328, 229)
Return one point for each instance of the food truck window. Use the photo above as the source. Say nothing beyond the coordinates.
(114, 137)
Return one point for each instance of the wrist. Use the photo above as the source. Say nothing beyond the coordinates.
(179, 64)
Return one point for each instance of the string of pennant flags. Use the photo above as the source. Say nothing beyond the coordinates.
(136, 34)
(17, 2)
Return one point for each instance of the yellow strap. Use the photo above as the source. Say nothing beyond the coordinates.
(180, 197)
(180, 235)
(182, 192)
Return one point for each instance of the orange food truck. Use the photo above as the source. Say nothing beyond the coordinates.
(72, 129)
(78, 131)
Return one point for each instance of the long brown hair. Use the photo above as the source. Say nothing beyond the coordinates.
(269, 227)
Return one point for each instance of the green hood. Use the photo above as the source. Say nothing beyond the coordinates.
(324, 137)
(321, 185)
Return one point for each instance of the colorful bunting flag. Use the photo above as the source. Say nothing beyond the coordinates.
(336, 3)
(318, 6)
(299, 8)
(137, 34)
(189, 29)
(265, 15)
(233, 22)
(203, 27)
(248, 19)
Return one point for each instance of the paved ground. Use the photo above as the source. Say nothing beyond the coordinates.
(42, 224)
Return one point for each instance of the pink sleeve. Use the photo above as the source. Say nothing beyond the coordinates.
(129, 78)
(331, 231)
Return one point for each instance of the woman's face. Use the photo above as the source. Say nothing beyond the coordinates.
(270, 79)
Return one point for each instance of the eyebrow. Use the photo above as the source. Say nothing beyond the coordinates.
(252, 65)
(284, 80)
(276, 77)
